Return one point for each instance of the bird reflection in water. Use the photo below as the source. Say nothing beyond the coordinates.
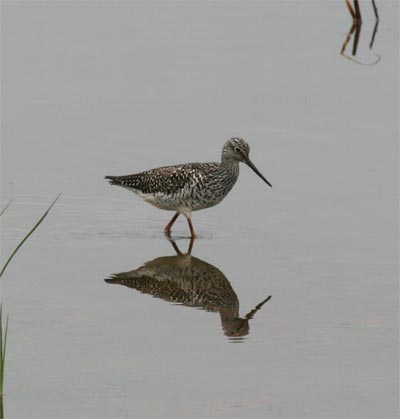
(187, 280)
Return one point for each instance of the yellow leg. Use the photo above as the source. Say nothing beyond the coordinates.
(167, 229)
(191, 228)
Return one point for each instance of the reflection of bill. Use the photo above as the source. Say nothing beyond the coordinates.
(355, 32)
(187, 280)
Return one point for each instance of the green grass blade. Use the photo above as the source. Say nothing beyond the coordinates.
(27, 236)
(1, 353)
(3, 346)
(4, 209)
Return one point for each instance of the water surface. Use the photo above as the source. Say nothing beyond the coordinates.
(99, 88)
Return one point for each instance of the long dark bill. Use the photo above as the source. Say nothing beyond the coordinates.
(250, 164)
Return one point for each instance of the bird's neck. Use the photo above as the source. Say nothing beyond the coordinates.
(230, 169)
(229, 164)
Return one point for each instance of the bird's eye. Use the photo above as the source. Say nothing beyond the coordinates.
(236, 150)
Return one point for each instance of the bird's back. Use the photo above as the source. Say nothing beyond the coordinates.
(167, 179)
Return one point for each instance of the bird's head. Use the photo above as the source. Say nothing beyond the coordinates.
(237, 150)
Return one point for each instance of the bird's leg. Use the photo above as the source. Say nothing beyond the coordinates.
(175, 246)
(190, 248)
(167, 229)
(191, 227)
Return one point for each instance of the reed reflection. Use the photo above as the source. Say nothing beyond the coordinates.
(355, 33)
(192, 282)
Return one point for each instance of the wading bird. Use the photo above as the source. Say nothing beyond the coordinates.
(192, 186)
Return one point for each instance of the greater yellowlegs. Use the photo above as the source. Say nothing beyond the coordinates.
(192, 186)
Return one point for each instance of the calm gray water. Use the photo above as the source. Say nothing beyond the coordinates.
(97, 88)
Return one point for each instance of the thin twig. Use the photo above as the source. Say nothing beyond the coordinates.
(358, 11)
(348, 38)
(375, 10)
(371, 44)
(356, 37)
(351, 10)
